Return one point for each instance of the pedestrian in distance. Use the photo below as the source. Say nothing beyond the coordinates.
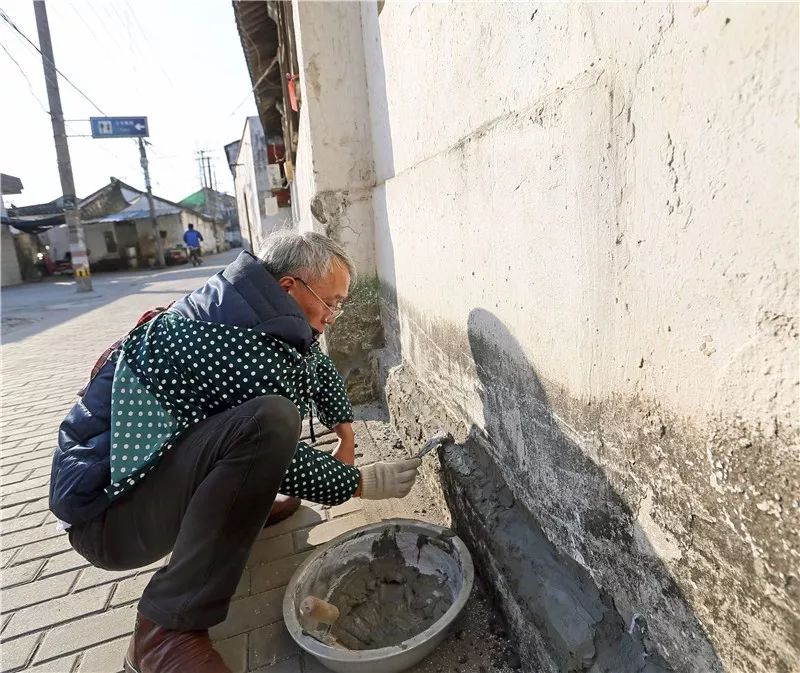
(189, 430)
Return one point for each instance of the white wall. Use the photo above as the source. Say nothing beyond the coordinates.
(609, 193)
(334, 172)
(251, 181)
(9, 264)
(95, 241)
(663, 229)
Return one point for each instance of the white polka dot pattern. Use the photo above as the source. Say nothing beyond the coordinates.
(175, 372)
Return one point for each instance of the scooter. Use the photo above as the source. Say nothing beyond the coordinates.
(194, 255)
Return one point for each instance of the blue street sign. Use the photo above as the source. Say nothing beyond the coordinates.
(119, 127)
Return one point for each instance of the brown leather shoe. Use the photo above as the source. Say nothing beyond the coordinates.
(283, 507)
(154, 649)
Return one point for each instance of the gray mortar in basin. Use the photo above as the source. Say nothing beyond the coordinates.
(399, 585)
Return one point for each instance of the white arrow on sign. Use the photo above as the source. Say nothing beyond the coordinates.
(139, 127)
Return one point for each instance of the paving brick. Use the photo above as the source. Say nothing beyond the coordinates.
(22, 522)
(234, 652)
(92, 577)
(29, 435)
(243, 588)
(17, 447)
(25, 572)
(276, 574)
(264, 551)
(42, 505)
(25, 496)
(28, 459)
(271, 644)
(325, 532)
(286, 666)
(42, 471)
(311, 665)
(25, 485)
(6, 556)
(62, 562)
(38, 592)
(105, 658)
(18, 652)
(348, 507)
(33, 430)
(87, 632)
(10, 512)
(61, 665)
(30, 535)
(44, 548)
(302, 518)
(15, 477)
(131, 589)
(252, 612)
(35, 462)
(58, 610)
(8, 447)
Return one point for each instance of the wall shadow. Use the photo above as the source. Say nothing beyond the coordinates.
(572, 505)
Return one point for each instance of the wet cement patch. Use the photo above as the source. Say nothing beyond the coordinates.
(385, 601)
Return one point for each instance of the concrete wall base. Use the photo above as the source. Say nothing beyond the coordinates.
(555, 611)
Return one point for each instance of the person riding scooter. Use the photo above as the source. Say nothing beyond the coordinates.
(192, 240)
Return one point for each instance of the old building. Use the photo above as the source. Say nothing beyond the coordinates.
(581, 220)
(10, 273)
(262, 197)
(118, 226)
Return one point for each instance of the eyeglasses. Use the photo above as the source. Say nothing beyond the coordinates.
(335, 312)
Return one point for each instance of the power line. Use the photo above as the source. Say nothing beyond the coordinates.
(146, 37)
(30, 86)
(99, 146)
(7, 19)
(255, 86)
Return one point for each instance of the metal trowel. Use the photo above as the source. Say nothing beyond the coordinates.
(440, 439)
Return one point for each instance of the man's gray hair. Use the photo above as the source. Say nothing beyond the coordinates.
(309, 254)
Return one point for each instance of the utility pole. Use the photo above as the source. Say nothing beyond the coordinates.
(72, 215)
(210, 181)
(203, 175)
(159, 248)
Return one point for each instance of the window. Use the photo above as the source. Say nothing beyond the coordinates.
(111, 242)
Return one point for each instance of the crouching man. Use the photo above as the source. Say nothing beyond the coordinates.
(189, 429)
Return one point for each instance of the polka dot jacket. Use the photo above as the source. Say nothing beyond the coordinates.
(174, 372)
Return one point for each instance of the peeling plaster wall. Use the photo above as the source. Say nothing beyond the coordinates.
(334, 174)
(586, 237)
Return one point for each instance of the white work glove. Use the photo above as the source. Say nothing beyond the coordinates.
(389, 480)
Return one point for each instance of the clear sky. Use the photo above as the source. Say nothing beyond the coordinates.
(178, 62)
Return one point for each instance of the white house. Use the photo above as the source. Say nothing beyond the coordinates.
(256, 177)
